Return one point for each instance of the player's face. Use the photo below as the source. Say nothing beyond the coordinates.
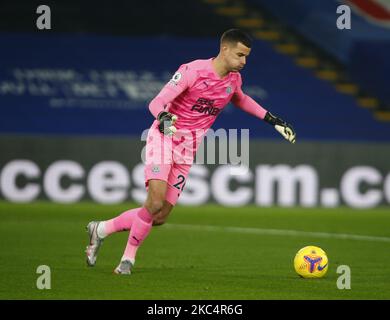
(235, 56)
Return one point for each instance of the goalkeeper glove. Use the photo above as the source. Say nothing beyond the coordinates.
(285, 129)
(167, 121)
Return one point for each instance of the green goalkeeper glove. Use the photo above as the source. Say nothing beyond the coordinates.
(167, 121)
(285, 129)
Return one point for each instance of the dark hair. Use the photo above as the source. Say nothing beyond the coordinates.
(236, 35)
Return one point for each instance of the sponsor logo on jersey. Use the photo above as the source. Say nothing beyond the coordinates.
(205, 106)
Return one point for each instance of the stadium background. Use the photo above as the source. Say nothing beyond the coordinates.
(73, 105)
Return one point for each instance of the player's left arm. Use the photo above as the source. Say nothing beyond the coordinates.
(246, 103)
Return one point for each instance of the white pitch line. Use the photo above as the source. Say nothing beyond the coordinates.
(277, 232)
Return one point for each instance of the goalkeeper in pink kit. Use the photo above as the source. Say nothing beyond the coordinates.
(190, 103)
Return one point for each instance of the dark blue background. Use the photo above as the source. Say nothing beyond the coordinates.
(312, 106)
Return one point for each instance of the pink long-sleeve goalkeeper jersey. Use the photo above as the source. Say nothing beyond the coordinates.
(197, 95)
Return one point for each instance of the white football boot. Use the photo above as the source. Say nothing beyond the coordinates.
(124, 267)
(94, 243)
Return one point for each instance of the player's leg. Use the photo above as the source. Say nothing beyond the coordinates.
(156, 168)
(176, 183)
(124, 221)
(162, 197)
(99, 230)
(142, 224)
(158, 165)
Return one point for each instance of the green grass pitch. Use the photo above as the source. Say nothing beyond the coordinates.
(203, 252)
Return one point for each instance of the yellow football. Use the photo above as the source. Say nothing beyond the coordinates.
(311, 262)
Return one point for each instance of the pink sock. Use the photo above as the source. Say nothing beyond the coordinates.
(120, 223)
(140, 229)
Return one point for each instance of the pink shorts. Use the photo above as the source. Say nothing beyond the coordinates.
(166, 159)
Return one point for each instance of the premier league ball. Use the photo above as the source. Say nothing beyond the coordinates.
(311, 262)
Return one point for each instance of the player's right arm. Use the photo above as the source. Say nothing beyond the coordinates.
(177, 85)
